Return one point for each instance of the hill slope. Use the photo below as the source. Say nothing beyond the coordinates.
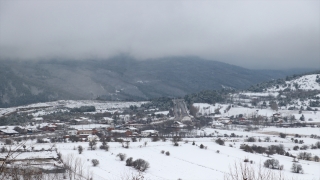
(120, 78)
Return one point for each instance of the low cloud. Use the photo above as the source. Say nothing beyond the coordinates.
(252, 34)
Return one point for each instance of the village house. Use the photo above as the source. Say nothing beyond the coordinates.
(81, 120)
(106, 120)
(120, 133)
(217, 124)
(72, 132)
(8, 132)
(149, 133)
(86, 131)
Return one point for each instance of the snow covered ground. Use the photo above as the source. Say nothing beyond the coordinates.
(307, 82)
(188, 161)
(54, 106)
(206, 109)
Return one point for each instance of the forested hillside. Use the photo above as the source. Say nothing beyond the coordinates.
(121, 78)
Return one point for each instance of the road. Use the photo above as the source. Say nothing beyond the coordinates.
(180, 109)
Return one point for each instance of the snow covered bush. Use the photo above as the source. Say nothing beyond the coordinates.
(80, 149)
(271, 163)
(121, 156)
(251, 139)
(168, 153)
(304, 147)
(129, 161)
(220, 142)
(140, 165)
(155, 138)
(95, 162)
(304, 156)
(282, 135)
(296, 168)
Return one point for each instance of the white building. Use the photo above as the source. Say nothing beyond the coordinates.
(149, 132)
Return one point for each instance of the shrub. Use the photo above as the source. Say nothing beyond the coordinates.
(95, 162)
(3, 149)
(162, 152)
(155, 138)
(295, 148)
(296, 168)
(129, 161)
(267, 139)
(201, 146)
(105, 147)
(121, 156)
(168, 153)
(176, 144)
(176, 139)
(304, 156)
(271, 163)
(246, 160)
(8, 141)
(318, 144)
(316, 158)
(282, 135)
(246, 148)
(39, 140)
(251, 139)
(140, 165)
(80, 149)
(193, 143)
(220, 141)
(218, 151)
(134, 139)
(304, 147)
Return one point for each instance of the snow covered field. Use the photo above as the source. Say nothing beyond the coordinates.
(206, 109)
(50, 107)
(188, 161)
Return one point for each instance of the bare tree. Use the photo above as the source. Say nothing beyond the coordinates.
(246, 171)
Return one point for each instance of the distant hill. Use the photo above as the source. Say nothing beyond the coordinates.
(305, 81)
(121, 78)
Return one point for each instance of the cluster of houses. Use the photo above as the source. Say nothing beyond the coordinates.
(275, 120)
(83, 128)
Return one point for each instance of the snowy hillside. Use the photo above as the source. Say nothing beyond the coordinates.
(307, 82)
(49, 107)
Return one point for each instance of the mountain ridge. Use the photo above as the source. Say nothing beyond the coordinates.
(121, 78)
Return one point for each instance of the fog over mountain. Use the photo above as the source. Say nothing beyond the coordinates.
(251, 34)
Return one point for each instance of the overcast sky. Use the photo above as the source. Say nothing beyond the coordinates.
(253, 34)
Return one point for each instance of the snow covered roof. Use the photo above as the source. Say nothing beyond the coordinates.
(118, 131)
(149, 131)
(9, 131)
